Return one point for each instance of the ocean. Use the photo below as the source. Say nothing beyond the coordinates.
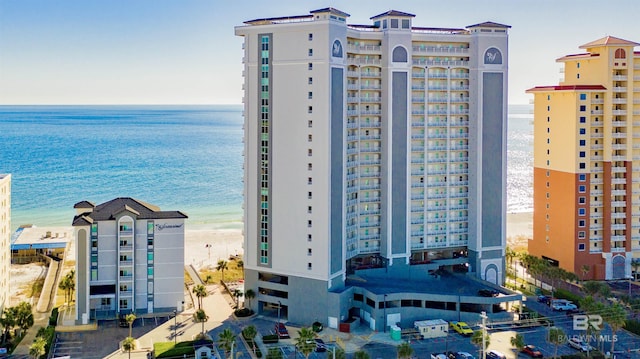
(186, 158)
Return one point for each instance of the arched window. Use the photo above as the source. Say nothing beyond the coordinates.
(620, 54)
(399, 54)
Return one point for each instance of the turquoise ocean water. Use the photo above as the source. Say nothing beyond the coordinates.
(186, 158)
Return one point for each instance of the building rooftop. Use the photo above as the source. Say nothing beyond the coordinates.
(609, 41)
(42, 237)
(577, 56)
(567, 88)
(109, 210)
(392, 13)
(490, 24)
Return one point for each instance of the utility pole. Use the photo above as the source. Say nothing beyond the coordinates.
(385, 314)
(483, 315)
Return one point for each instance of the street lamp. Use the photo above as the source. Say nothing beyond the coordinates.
(384, 306)
(208, 246)
(279, 306)
(175, 326)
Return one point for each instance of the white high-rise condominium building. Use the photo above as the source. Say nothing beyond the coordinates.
(129, 259)
(5, 239)
(371, 151)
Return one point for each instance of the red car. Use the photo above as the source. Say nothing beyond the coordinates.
(531, 351)
(282, 331)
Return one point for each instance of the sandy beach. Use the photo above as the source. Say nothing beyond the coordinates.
(204, 247)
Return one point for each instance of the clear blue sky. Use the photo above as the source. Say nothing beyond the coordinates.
(185, 51)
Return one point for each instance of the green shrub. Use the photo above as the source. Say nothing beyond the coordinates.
(244, 312)
(633, 326)
(269, 339)
(565, 294)
(53, 319)
(48, 334)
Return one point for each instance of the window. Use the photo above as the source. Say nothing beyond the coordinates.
(309, 251)
(582, 235)
(620, 54)
(405, 23)
(310, 37)
(309, 166)
(310, 152)
(310, 66)
(578, 65)
(548, 130)
(582, 211)
(581, 246)
(310, 52)
(310, 109)
(310, 123)
(310, 95)
(583, 96)
(309, 138)
(309, 180)
(583, 108)
(583, 131)
(310, 80)
(581, 223)
(582, 154)
(582, 177)
(582, 200)
(309, 209)
(583, 119)
(309, 237)
(394, 23)
(309, 266)
(582, 188)
(583, 143)
(578, 76)
(310, 195)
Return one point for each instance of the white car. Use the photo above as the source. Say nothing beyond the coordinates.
(577, 343)
(563, 305)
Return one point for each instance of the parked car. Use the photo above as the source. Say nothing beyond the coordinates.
(461, 327)
(577, 343)
(543, 299)
(494, 354)
(320, 346)
(531, 351)
(282, 331)
(459, 355)
(488, 293)
(563, 305)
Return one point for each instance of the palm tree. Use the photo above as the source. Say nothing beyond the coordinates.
(518, 341)
(130, 318)
(129, 344)
(404, 351)
(248, 295)
(237, 294)
(8, 321)
(249, 333)
(615, 316)
(23, 316)
(476, 339)
(226, 339)
(509, 254)
(361, 354)
(200, 316)
(222, 266)
(556, 336)
(585, 270)
(240, 265)
(305, 341)
(37, 349)
(339, 353)
(200, 291)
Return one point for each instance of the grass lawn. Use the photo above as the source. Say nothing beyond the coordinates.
(231, 274)
(169, 349)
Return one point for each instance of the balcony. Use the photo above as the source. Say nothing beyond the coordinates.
(363, 48)
(440, 50)
(597, 112)
(619, 78)
(619, 89)
(419, 75)
(618, 250)
(617, 101)
(425, 62)
(363, 61)
(619, 112)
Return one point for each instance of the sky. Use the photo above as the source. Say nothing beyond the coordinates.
(185, 51)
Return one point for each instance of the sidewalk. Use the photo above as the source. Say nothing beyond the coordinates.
(214, 305)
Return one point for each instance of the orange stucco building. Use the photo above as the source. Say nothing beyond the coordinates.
(587, 163)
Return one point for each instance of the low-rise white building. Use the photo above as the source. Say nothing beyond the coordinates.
(5, 238)
(130, 258)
